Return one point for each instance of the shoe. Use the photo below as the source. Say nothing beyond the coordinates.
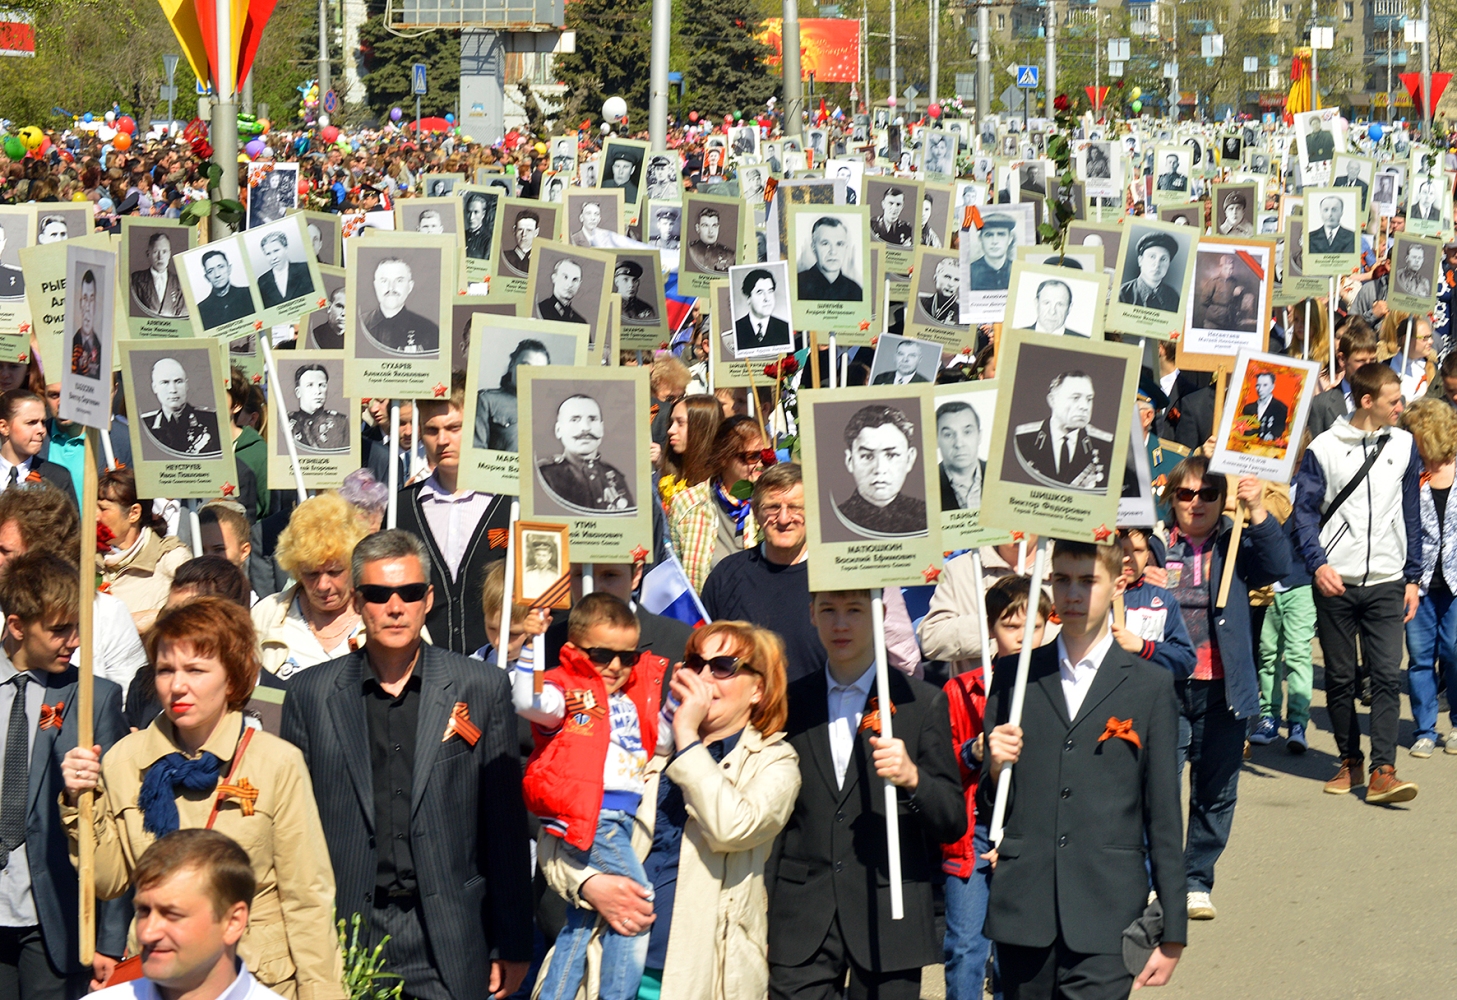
(1423, 747)
(1266, 731)
(1296, 742)
(1387, 787)
(1200, 908)
(1451, 741)
(1348, 777)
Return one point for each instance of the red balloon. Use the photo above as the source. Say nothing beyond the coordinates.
(728, 119)
(127, 124)
(693, 116)
(329, 133)
(934, 111)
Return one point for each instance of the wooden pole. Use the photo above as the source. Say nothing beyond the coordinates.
(1230, 557)
(503, 641)
(1019, 687)
(266, 342)
(393, 478)
(892, 812)
(85, 730)
(1221, 377)
(813, 355)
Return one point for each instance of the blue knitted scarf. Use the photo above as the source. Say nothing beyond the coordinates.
(170, 774)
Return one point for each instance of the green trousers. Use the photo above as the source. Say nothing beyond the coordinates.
(1286, 640)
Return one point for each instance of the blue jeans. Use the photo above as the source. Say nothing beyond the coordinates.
(1431, 641)
(622, 957)
(1212, 741)
(966, 947)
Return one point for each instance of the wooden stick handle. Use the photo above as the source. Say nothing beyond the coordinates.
(1231, 556)
(85, 731)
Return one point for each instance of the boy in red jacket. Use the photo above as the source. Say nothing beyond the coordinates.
(967, 876)
(596, 721)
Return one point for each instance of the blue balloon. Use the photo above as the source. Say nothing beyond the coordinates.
(450, 119)
(87, 117)
(1375, 131)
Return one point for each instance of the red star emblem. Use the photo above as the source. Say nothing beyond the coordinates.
(874, 341)
(24, 328)
(364, 400)
(1101, 533)
(440, 389)
(257, 324)
(639, 554)
(258, 379)
(323, 302)
(1017, 536)
(864, 325)
(911, 270)
(22, 358)
(931, 573)
(1173, 335)
(229, 489)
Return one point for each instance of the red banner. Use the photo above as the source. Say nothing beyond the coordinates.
(829, 47)
(1413, 84)
(1096, 96)
(17, 34)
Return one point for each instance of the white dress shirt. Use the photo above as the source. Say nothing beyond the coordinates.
(847, 704)
(159, 282)
(244, 987)
(452, 519)
(1078, 677)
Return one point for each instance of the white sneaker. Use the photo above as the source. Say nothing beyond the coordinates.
(1200, 908)
(1451, 741)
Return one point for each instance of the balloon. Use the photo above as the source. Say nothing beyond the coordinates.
(396, 114)
(1136, 93)
(106, 133)
(1374, 130)
(540, 148)
(450, 119)
(255, 147)
(127, 124)
(87, 117)
(30, 137)
(614, 109)
(606, 128)
(329, 133)
(890, 100)
(266, 125)
(1137, 106)
(728, 119)
(123, 141)
(693, 116)
(738, 116)
(13, 147)
(934, 111)
(323, 120)
(110, 117)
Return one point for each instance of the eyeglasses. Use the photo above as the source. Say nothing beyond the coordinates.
(750, 457)
(376, 593)
(603, 657)
(1208, 494)
(774, 511)
(722, 667)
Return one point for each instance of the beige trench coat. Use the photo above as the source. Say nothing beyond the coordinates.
(291, 945)
(143, 580)
(718, 944)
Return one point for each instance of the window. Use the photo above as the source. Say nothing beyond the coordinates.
(1347, 46)
(1001, 22)
(1350, 10)
(1287, 12)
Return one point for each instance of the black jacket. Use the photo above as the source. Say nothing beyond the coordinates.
(1086, 815)
(831, 858)
(468, 824)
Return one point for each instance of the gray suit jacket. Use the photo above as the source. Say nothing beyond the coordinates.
(1325, 409)
(468, 824)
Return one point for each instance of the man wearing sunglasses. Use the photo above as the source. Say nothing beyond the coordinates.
(422, 806)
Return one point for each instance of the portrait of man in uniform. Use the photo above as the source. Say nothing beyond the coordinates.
(315, 426)
(1219, 298)
(1064, 449)
(517, 260)
(12, 279)
(329, 334)
(1153, 254)
(663, 180)
(1413, 277)
(940, 155)
(958, 439)
(566, 281)
(627, 278)
(1320, 145)
(540, 563)
(391, 324)
(706, 253)
(480, 221)
(176, 424)
(830, 244)
(86, 344)
(496, 414)
(225, 301)
(941, 304)
(880, 453)
(1271, 413)
(992, 271)
(1235, 215)
(1173, 178)
(155, 289)
(577, 478)
(888, 226)
(624, 168)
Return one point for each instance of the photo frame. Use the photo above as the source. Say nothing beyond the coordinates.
(623, 167)
(543, 577)
(1265, 413)
(323, 329)
(1350, 170)
(441, 184)
(905, 361)
(893, 206)
(87, 337)
(1416, 267)
(1171, 174)
(397, 313)
(1150, 295)
(1228, 308)
(219, 289)
(272, 191)
(712, 233)
(572, 285)
(309, 405)
(17, 225)
(965, 412)
(155, 306)
(934, 308)
(637, 281)
(1236, 207)
(326, 235)
(984, 283)
(760, 311)
(1059, 301)
(285, 271)
(830, 259)
(1332, 236)
(180, 447)
(46, 281)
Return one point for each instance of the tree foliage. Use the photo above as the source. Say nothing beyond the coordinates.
(388, 59)
(612, 58)
(725, 66)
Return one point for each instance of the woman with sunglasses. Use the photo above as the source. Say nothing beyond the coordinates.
(199, 765)
(312, 620)
(713, 808)
(707, 522)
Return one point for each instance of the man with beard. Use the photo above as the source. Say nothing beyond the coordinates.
(480, 220)
(314, 425)
(156, 289)
(389, 323)
(578, 477)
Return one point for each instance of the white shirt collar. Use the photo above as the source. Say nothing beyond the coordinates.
(1077, 678)
(862, 685)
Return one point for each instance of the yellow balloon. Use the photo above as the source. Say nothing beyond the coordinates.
(1136, 93)
(541, 148)
(31, 137)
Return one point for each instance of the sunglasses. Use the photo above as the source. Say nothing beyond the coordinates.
(751, 457)
(722, 667)
(1208, 494)
(376, 593)
(603, 657)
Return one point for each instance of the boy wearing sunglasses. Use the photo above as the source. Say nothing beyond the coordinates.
(596, 720)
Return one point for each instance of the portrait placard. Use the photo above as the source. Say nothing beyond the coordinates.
(713, 230)
(934, 312)
(309, 405)
(1155, 270)
(478, 208)
(1332, 231)
(572, 285)
(57, 221)
(623, 161)
(1264, 416)
(177, 390)
(1062, 301)
(431, 216)
(1229, 309)
(940, 149)
(543, 565)
(397, 301)
(637, 282)
(1352, 171)
(272, 191)
(45, 291)
(864, 334)
(759, 310)
(1235, 207)
(1171, 174)
(149, 248)
(221, 296)
(1088, 260)
(988, 249)
(1100, 168)
(564, 154)
(1137, 507)
(904, 361)
(16, 223)
(584, 434)
(664, 174)
(1415, 274)
(1105, 237)
(893, 203)
(286, 275)
(936, 212)
(592, 215)
(463, 310)
(88, 332)
(1427, 209)
(1190, 213)
(440, 185)
(1319, 136)
(868, 480)
(1060, 433)
(323, 329)
(724, 370)
(964, 415)
(520, 225)
(326, 236)
(830, 255)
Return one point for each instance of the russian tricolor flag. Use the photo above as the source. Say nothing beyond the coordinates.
(667, 592)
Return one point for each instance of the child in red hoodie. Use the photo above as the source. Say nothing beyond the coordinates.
(596, 721)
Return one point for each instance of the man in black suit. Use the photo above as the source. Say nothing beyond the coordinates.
(1353, 179)
(566, 281)
(907, 361)
(517, 260)
(1094, 805)
(424, 820)
(829, 902)
(1331, 236)
(226, 301)
(1271, 413)
(1426, 208)
(829, 241)
(759, 327)
(284, 280)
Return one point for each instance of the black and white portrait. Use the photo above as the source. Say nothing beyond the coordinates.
(570, 287)
(1234, 210)
(1153, 273)
(521, 225)
(541, 562)
(1183, 215)
(623, 167)
(744, 141)
(1414, 266)
(830, 257)
(1353, 172)
(588, 172)
(904, 361)
(752, 182)
(564, 154)
(849, 171)
(1230, 148)
(440, 185)
(86, 340)
(936, 221)
(220, 283)
(1320, 135)
(963, 423)
(502, 349)
(664, 226)
(478, 209)
(713, 235)
(1063, 414)
(1384, 193)
(280, 262)
(313, 398)
(323, 233)
(584, 447)
(633, 282)
(664, 176)
(176, 399)
(1060, 301)
(1098, 161)
(592, 217)
(759, 302)
(430, 216)
(1426, 199)
(154, 289)
(938, 290)
(894, 206)
(1171, 173)
(272, 191)
(869, 459)
(940, 153)
(991, 268)
(324, 328)
(1331, 224)
(1227, 290)
(398, 294)
(55, 223)
(14, 235)
(1105, 240)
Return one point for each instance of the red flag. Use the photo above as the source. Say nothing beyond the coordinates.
(824, 114)
(259, 11)
(1413, 84)
(1096, 95)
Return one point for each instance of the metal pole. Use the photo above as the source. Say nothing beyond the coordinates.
(1314, 73)
(658, 97)
(1049, 83)
(417, 117)
(1097, 55)
(983, 62)
(934, 37)
(323, 48)
(887, 732)
(248, 92)
(1388, 71)
(1427, 109)
(892, 60)
(793, 85)
(225, 110)
(1174, 93)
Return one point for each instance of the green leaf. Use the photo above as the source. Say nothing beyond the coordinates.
(741, 490)
(229, 205)
(198, 210)
(214, 175)
(1047, 231)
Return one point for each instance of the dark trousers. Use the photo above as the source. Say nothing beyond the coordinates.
(823, 976)
(1375, 613)
(1059, 973)
(407, 953)
(1211, 742)
(26, 972)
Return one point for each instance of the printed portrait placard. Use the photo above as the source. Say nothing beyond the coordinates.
(500, 346)
(286, 274)
(430, 216)
(759, 310)
(309, 405)
(1060, 436)
(463, 310)
(323, 329)
(1229, 308)
(180, 444)
(724, 369)
(45, 292)
(904, 361)
(869, 480)
(894, 205)
(222, 298)
(1332, 231)
(326, 235)
(1415, 274)
(16, 223)
(965, 412)
(520, 225)
(398, 300)
(87, 336)
(543, 565)
(592, 216)
(1235, 208)
(988, 250)
(1063, 301)
(1104, 237)
(1155, 270)
(1136, 505)
(1171, 174)
(155, 306)
(829, 257)
(1264, 416)
(572, 285)
(272, 191)
(712, 234)
(584, 436)
(934, 311)
(637, 281)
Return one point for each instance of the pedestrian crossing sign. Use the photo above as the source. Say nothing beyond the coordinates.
(1027, 77)
(418, 79)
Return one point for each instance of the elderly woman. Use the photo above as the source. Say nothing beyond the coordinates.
(138, 569)
(197, 765)
(367, 495)
(705, 826)
(313, 619)
(707, 522)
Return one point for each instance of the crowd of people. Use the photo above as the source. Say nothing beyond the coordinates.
(334, 700)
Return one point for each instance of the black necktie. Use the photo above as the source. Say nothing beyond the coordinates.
(1067, 459)
(14, 475)
(13, 793)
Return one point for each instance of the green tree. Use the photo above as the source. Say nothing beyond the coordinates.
(726, 66)
(388, 58)
(612, 58)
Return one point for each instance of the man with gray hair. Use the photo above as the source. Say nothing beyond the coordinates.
(1054, 300)
(424, 820)
(389, 323)
(1331, 236)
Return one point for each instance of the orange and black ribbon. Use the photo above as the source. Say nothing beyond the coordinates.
(498, 537)
(50, 718)
(1121, 729)
(245, 793)
(584, 702)
(460, 725)
(871, 719)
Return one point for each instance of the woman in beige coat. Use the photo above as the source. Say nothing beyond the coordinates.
(138, 569)
(705, 827)
(199, 765)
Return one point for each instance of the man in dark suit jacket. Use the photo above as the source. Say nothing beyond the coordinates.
(444, 868)
(907, 363)
(284, 280)
(1094, 802)
(829, 898)
(1272, 414)
(759, 327)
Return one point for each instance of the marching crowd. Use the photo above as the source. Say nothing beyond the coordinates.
(499, 830)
